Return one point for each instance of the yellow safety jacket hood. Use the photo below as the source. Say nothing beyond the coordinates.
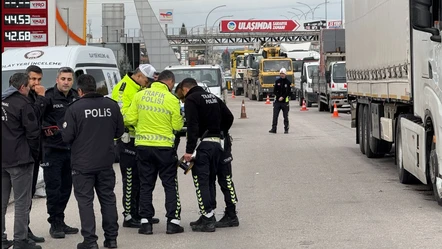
(123, 93)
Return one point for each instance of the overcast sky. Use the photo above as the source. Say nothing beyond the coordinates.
(194, 12)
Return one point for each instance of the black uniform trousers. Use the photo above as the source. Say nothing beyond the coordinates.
(277, 107)
(130, 176)
(37, 161)
(104, 183)
(204, 174)
(58, 179)
(225, 181)
(154, 161)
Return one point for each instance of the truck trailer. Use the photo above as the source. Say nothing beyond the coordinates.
(394, 76)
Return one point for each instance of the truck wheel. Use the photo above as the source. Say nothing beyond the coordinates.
(368, 135)
(434, 172)
(237, 92)
(404, 176)
(361, 128)
(260, 97)
(321, 106)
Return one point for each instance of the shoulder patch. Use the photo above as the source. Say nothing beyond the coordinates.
(122, 87)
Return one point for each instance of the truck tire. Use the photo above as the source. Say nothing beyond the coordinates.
(434, 171)
(237, 92)
(360, 130)
(321, 106)
(368, 136)
(404, 176)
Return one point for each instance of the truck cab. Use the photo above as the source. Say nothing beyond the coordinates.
(308, 70)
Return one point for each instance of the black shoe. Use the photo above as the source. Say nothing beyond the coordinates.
(69, 230)
(132, 223)
(272, 131)
(84, 245)
(110, 243)
(155, 221)
(56, 231)
(25, 244)
(228, 221)
(174, 228)
(35, 238)
(197, 222)
(286, 132)
(146, 228)
(206, 224)
(7, 243)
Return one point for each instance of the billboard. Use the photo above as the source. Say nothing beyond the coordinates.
(24, 24)
(240, 26)
(166, 16)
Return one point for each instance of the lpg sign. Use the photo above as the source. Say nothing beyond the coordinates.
(166, 16)
(238, 26)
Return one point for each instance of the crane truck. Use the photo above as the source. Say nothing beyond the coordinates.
(394, 76)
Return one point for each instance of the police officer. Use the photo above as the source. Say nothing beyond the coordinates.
(224, 172)
(36, 95)
(281, 89)
(123, 93)
(155, 114)
(90, 126)
(20, 144)
(203, 116)
(56, 153)
(155, 76)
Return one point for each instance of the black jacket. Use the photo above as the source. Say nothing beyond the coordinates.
(57, 103)
(204, 113)
(39, 103)
(281, 88)
(90, 126)
(20, 129)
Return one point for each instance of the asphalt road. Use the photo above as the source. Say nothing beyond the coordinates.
(311, 188)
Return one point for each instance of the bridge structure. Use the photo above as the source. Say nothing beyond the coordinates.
(214, 38)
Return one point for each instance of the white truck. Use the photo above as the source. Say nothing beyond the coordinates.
(394, 76)
(331, 85)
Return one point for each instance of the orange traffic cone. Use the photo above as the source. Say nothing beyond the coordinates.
(335, 111)
(243, 110)
(233, 94)
(268, 100)
(304, 107)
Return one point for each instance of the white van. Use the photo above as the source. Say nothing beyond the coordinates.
(211, 75)
(96, 61)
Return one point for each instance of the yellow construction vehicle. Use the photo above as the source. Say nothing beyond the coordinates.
(237, 70)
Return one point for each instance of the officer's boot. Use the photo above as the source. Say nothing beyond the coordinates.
(173, 228)
(87, 245)
(206, 224)
(6, 243)
(35, 238)
(197, 222)
(68, 230)
(25, 244)
(230, 219)
(146, 228)
(56, 231)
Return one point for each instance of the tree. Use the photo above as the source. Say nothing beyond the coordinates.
(183, 30)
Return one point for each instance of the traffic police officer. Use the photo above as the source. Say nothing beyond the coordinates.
(123, 93)
(91, 125)
(155, 114)
(224, 171)
(56, 153)
(281, 89)
(36, 95)
(203, 116)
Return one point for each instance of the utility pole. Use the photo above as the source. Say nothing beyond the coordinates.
(133, 53)
(67, 28)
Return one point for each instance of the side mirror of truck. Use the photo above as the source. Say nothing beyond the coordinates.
(421, 18)
(327, 76)
(303, 79)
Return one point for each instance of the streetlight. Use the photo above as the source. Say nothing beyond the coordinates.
(313, 12)
(205, 26)
(313, 9)
(191, 32)
(213, 54)
(295, 14)
(303, 13)
(285, 16)
(67, 24)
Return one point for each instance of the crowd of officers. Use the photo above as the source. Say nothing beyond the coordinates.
(71, 135)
